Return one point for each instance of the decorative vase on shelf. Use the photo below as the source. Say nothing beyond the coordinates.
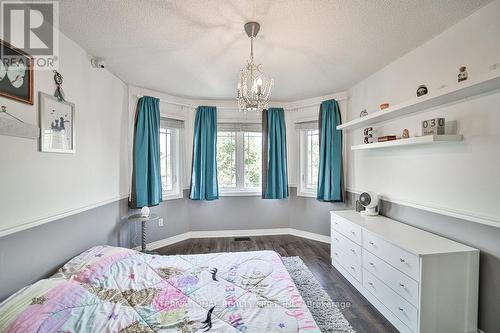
(422, 90)
(463, 75)
(384, 106)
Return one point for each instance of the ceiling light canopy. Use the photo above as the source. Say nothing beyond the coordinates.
(254, 87)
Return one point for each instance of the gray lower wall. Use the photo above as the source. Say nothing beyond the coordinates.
(231, 213)
(36, 253)
(176, 216)
(309, 214)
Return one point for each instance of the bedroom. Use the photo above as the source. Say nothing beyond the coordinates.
(372, 122)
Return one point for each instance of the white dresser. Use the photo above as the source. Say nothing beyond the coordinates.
(419, 281)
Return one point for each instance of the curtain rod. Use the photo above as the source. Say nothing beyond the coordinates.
(235, 108)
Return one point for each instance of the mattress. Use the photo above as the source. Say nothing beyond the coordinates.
(112, 289)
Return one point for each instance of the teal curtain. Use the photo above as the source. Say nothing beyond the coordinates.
(146, 178)
(204, 168)
(274, 167)
(330, 153)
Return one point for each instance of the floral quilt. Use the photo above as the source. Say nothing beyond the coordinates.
(111, 289)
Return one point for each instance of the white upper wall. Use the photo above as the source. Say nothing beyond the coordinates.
(39, 187)
(463, 177)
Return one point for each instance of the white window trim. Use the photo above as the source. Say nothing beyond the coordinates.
(240, 190)
(175, 146)
(302, 191)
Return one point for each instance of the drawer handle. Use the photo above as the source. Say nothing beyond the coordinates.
(372, 264)
(370, 283)
(402, 260)
(352, 232)
(335, 253)
(352, 267)
(372, 243)
(401, 309)
(353, 251)
(401, 285)
(336, 239)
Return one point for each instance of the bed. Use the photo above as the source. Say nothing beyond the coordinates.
(112, 289)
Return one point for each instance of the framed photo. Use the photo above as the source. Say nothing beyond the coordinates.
(16, 74)
(57, 125)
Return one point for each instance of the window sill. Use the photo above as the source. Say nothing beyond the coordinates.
(167, 197)
(306, 194)
(237, 193)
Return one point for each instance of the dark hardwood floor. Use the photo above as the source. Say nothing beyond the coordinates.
(316, 255)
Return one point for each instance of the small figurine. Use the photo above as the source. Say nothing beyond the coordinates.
(406, 133)
(369, 135)
(384, 106)
(462, 76)
(422, 90)
(363, 113)
(59, 93)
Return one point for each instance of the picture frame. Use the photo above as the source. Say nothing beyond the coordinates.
(16, 74)
(57, 125)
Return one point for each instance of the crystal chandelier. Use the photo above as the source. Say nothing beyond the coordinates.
(254, 87)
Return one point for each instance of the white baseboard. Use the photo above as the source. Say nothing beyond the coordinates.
(235, 233)
(166, 241)
(310, 235)
(239, 233)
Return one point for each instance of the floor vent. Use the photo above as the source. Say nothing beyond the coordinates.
(241, 239)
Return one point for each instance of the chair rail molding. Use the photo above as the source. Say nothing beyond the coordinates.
(46, 219)
(459, 214)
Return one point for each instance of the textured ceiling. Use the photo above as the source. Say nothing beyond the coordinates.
(310, 47)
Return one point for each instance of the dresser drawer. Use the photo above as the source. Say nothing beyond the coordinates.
(403, 285)
(347, 228)
(402, 260)
(346, 261)
(339, 241)
(401, 308)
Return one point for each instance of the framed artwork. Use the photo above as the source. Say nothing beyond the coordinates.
(16, 74)
(57, 125)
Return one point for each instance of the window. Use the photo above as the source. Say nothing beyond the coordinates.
(226, 160)
(170, 158)
(309, 161)
(239, 159)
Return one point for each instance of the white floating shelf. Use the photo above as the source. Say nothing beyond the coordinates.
(419, 140)
(453, 93)
(16, 128)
